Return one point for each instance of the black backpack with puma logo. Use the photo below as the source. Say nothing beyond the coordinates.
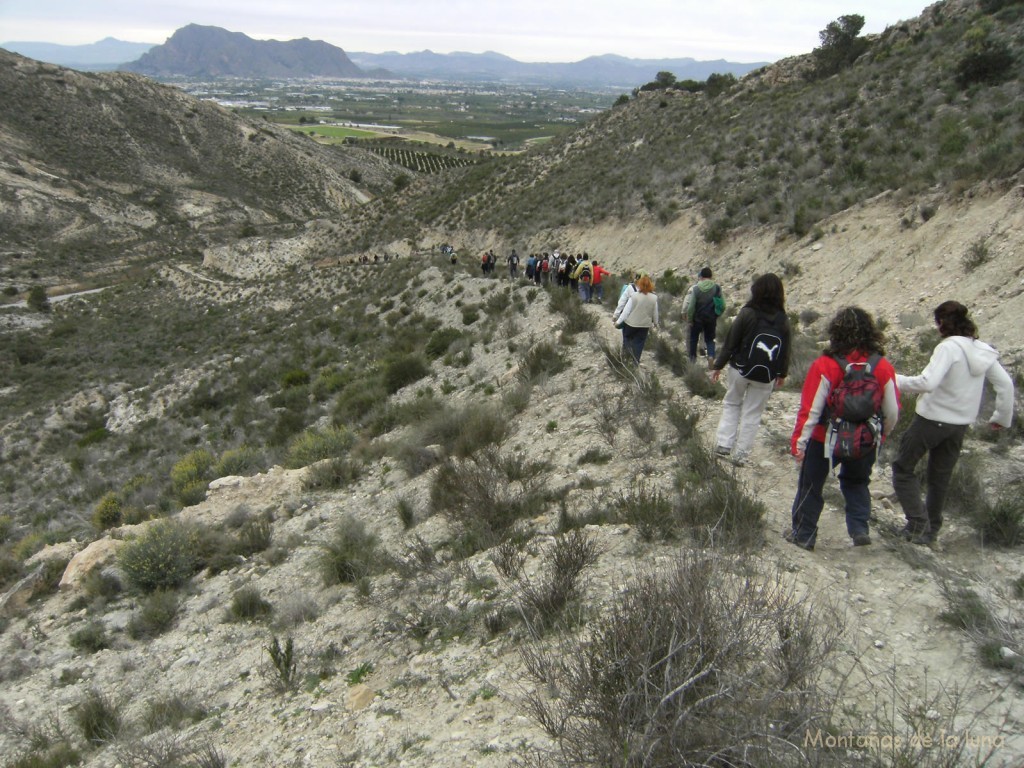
(761, 353)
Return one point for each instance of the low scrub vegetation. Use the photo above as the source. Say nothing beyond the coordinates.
(652, 681)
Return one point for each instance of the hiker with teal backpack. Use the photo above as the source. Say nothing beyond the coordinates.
(951, 387)
(757, 351)
(704, 304)
(848, 404)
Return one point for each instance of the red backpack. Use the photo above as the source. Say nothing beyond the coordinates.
(853, 411)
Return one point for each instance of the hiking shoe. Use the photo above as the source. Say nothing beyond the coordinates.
(917, 536)
(740, 461)
(790, 536)
(924, 539)
(722, 451)
(861, 540)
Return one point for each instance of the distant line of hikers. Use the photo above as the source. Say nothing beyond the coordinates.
(577, 272)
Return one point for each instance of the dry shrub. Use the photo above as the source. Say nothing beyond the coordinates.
(487, 493)
(544, 599)
(696, 666)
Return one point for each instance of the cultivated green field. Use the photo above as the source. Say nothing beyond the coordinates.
(471, 117)
(337, 133)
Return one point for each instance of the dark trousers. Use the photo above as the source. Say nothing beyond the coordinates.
(942, 443)
(707, 327)
(633, 340)
(854, 476)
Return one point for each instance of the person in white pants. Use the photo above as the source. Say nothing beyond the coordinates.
(757, 350)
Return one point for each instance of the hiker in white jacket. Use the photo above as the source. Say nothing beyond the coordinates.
(951, 387)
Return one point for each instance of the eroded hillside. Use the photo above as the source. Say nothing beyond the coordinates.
(98, 170)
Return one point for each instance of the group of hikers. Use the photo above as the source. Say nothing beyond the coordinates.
(849, 402)
(579, 273)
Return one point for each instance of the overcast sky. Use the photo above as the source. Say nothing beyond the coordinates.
(528, 30)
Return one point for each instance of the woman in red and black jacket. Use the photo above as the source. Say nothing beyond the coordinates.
(853, 336)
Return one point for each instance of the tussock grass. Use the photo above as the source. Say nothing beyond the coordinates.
(351, 554)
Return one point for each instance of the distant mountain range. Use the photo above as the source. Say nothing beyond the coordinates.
(608, 70)
(108, 53)
(212, 52)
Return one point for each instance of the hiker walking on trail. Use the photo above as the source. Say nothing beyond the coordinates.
(951, 388)
(757, 351)
(600, 273)
(638, 317)
(703, 306)
(513, 265)
(627, 290)
(854, 352)
(584, 276)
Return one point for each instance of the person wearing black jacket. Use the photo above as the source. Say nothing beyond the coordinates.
(757, 351)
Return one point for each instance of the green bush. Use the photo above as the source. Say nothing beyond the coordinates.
(108, 512)
(37, 299)
(295, 378)
(440, 340)
(90, 638)
(98, 584)
(155, 615)
(463, 431)
(575, 316)
(401, 371)
(1000, 524)
(164, 556)
(351, 554)
(672, 284)
(314, 445)
(190, 475)
(11, 569)
(243, 461)
(990, 63)
(541, 360)
(649, 509)
(254, 535)
(391, 415)
(98, 718)
(977, 254)
(173, 711)
(698, 382)
(248, 605)
(332, 474)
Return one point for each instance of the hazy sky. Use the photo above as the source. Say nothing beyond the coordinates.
(528, 30)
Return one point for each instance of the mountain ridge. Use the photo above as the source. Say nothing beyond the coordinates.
(603, 70)
(205, 51)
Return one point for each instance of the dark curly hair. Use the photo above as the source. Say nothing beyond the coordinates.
(853, 328)
(767, 294)
(953, 320)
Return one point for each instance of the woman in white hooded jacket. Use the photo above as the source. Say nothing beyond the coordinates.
(951, 388)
